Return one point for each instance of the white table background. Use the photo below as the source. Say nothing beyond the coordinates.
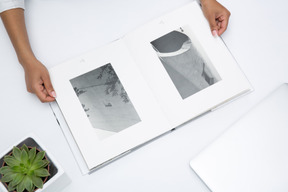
(60, 30)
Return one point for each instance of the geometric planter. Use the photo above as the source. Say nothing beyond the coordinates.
(57, 179)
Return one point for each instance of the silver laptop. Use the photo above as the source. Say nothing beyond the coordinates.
(252, 155)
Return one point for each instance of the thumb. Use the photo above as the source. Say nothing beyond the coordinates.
(48, 86)
(213, 25)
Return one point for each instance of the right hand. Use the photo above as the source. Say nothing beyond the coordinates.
(217, 16)
(38, 81)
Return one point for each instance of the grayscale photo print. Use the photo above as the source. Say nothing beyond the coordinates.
(187, 69)
(104, 99)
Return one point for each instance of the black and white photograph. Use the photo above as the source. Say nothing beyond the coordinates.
(187, 69)
(104, 99)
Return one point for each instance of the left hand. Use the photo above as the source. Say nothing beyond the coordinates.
(38, 80)
(217, 16)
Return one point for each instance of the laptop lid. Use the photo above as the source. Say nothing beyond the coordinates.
(252, 155)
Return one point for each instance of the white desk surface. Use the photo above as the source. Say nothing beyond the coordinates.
(60, 30)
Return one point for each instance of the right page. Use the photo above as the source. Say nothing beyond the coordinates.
(189, 71)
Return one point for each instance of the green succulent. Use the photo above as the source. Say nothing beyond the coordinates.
(25, 169)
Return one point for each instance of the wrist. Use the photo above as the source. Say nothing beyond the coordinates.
(27, 61)
(203, 2)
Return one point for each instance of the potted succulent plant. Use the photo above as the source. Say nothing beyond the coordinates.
(30, 168)
(25, 169)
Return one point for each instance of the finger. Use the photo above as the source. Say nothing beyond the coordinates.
(221, 18)
(42, 94)
(219, 25)
(213, 25)
(223, 26)
(47, 98)
(48, 86)
(44, 90)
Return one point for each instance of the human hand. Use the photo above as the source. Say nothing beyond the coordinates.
(38, 81)
(36, 75)
(217, 16)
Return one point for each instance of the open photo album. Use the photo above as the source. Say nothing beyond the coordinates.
(157, 77)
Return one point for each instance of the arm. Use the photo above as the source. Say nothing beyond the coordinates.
(36, 75)
(217, 16)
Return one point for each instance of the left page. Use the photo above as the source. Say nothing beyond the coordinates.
(106, 103)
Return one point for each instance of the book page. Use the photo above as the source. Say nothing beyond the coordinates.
(189, 70)
(106, 103)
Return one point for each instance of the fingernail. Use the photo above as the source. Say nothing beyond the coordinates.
(214, 33)
(53, 94)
